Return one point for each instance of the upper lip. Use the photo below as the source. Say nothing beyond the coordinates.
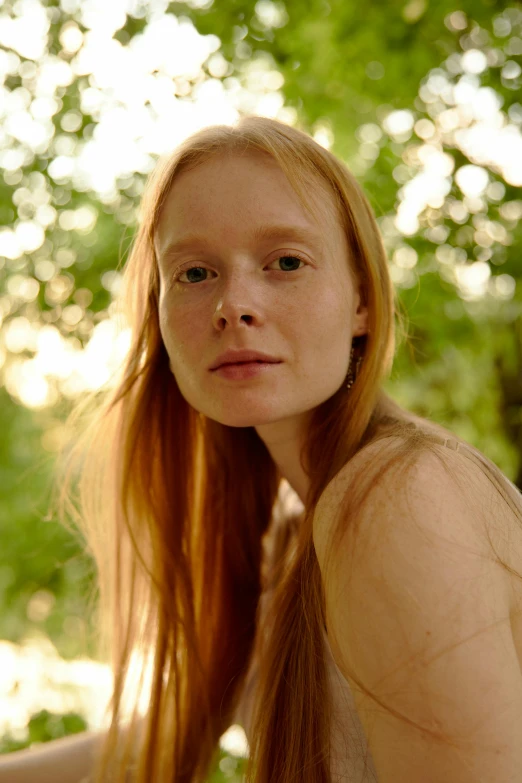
(232, 357)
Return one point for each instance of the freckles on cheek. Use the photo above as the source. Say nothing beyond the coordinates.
(169, 327)
(334, 303)
(184, 334)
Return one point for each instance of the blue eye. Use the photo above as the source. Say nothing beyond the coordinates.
(292, 257)
(190, 269)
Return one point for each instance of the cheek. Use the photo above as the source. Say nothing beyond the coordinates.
(327, 322)
(330, 305)
(169, 324)
(182, 332)
(166, 324)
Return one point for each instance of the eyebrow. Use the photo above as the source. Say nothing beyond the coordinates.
(261, 233)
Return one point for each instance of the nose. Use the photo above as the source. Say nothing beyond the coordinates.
(236, 304)
(232, 315)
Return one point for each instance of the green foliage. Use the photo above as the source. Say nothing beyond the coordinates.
(44, 726)
(38, 556)
(345, 67)
(327, 51)
(229, 769)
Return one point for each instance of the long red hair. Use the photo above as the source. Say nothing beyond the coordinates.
(174, 508)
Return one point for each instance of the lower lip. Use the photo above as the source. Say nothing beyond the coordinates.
(240, 371)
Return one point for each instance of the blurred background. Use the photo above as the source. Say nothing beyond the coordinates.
(421, 100)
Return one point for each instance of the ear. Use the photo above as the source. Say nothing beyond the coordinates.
(360, 317)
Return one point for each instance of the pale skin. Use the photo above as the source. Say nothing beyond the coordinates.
(240, 294)
(421, 612)
(423, 617)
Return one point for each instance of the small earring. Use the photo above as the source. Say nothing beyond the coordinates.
(353, 373)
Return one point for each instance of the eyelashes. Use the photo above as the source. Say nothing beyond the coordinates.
(190, 266)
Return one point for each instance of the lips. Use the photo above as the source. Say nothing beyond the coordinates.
(245, 370)
(251, 361)
(243, 356)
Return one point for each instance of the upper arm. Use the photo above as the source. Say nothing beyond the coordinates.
(68, 760)
(419, 611)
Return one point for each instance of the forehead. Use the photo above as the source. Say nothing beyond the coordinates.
(248, 192)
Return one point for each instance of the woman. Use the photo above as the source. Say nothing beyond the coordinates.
(371, 636)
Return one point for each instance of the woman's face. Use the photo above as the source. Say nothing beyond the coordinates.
(245, 285)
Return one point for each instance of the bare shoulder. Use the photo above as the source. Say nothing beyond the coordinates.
(421, 617)
(437, 475)
(368, 461)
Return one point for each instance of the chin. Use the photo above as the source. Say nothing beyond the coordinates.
(240, 415)
(238, 420)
